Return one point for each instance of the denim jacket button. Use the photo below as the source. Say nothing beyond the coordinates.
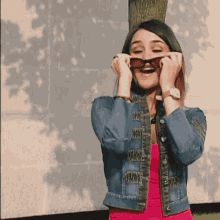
(162, 121)
(168, 209)
(163, 139)
(164, 161)
(165, 182)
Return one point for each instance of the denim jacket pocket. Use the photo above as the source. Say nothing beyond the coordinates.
(130, 182)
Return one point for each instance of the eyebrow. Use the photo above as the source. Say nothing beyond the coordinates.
(153, 41)
(135, 42)
(157, 41)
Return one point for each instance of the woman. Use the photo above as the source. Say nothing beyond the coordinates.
(148, 137)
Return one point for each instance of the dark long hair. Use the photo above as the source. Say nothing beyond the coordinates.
(164, 32)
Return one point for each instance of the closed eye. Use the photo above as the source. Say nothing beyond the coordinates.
(157, 51)
(137, 51)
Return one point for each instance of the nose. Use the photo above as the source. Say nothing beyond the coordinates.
(148, 55)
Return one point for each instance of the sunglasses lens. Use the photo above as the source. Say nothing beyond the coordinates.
(155, 62)
(139, 63)
(136, 63)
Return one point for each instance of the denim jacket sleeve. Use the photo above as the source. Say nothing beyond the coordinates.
(110, 118)
(186, 130)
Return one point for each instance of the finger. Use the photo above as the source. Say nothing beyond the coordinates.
(174, 59)
(116, 66)
(123, 58)
(123, 55)
(127, 61)
(115, 71)
(118, 61)
(162, 54)
(119, 56)
(165, 60)
(178, 59)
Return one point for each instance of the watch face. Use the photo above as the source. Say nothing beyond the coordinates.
(175, 93)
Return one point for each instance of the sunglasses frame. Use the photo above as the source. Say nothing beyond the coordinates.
(146, 61)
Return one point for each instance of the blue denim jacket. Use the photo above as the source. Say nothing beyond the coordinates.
(123, 130)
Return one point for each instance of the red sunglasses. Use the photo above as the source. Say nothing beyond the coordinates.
(138, 63)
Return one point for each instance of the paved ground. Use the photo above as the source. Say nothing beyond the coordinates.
(207, 217)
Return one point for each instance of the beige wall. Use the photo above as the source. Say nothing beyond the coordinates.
(56, 59)
(195, 23)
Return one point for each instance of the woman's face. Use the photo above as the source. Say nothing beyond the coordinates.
(147, 45)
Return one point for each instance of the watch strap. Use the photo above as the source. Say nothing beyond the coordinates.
(166, 94)
(173, 92)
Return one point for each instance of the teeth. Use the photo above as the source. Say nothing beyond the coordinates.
(148, 69)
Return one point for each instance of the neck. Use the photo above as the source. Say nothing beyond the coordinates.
(151, 101)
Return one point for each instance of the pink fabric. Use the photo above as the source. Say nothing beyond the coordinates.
(153, 210)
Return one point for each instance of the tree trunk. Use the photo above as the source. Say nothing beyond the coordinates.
(141, 10)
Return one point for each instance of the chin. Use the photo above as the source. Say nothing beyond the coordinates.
(148, 87)
(148, 83)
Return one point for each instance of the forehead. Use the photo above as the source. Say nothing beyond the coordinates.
(146, 36)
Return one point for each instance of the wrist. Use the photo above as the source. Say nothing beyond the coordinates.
(126, 98)
(124, 87)
(124, 94)
(125, 79)
(167, 87)
(172, 92)
(170, 105)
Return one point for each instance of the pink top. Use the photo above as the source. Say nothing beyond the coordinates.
(154, 209)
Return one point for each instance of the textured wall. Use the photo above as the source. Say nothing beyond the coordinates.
(195, 23)
(56, 57)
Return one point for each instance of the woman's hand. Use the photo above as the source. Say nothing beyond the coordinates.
(121, 66)
(171, 65)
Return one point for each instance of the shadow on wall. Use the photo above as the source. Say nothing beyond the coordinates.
(61, 72)
(188, 20)
(204, 172)
(64, 69)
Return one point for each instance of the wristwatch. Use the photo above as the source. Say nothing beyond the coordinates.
(173, 92)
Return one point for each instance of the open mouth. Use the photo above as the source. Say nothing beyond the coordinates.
(148, 70)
